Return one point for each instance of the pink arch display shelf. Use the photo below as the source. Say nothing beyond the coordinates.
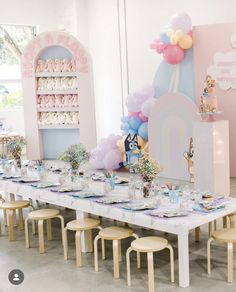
(57, 45)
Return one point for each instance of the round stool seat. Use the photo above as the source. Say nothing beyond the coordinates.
(149, 244)
(225, 235)
(43, 214)
(82, 224)
(115, 233)
(13, 205)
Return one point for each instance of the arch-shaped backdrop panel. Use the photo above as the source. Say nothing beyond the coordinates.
(37, 47)
(170, 128)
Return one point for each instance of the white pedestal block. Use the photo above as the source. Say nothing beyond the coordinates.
(211, 157)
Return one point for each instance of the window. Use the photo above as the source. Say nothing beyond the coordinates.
(13, 39)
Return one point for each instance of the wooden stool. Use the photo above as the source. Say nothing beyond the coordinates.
(79, 225)
(10, 208)
(227, 235)
(231, 220)
(116, 234)
(40, 216)
(149, 245)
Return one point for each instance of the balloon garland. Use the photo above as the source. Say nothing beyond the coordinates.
(175, 38)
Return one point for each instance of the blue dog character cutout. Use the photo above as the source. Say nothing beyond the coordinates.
(132, 152)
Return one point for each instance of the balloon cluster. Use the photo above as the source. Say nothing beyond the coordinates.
(175, 39)
(139, 104)
(111, 150)
(107, 154)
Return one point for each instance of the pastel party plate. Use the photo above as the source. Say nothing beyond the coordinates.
(168, 214)
(87, 194)
(139, 206)
(44, 185)
(112, 200)
(26, 179)
(66, 189)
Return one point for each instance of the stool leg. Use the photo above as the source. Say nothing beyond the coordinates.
(150, 272)
(172, 273)
(215, 224)
(231, 220)
(10, 214)
(5, 217)
(27, 242)
(197, 234)
(209, 229)
(120, 250)
(230, 262)
(116, 259)
(96, 252)
(33, 227)
(138, 253)
(65, 246)
(103, 244)
(62, 227)
(21, 220)
(41, 236)
(209, 255)
(78, 248)
(128, 265)
(224, 222)
(49, 229)
(103, 249)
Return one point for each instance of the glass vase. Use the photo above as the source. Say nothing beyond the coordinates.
(147, 189)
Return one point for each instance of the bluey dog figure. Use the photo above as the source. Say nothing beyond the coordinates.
(132, 153)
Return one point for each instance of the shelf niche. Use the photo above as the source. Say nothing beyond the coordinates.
(49, 141)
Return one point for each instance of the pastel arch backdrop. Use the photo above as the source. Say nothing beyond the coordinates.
(170, 128)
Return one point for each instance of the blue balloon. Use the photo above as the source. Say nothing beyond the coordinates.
(125, 119)
(164, 38)
(124, 126)
(143, 131)
(135, 122)
(130, 131)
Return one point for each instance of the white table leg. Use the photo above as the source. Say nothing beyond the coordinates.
(183, 257)
(86, 237)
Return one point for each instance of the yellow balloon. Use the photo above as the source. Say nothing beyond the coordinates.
(179, 33)
(169, 32)
(173, 39)
(186, 42)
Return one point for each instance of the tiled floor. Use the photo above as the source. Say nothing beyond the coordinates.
(49, 272)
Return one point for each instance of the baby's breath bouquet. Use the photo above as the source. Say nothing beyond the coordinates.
(75, 155)
(148, 170)
(14, 148)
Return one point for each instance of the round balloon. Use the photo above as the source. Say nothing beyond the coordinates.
(164, 38)
(181, 21)
(135, 122)
(185, 42)
(112, 159)
(143, 131)
(143, 118)
(146, 107)
(173, 54)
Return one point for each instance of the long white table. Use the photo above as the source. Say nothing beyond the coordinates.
(179, 226)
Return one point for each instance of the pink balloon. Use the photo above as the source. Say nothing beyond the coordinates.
(173, 54)
(146, 107)
(133, 114)
(153, 46)
(181, 21)
(143, 118)
(112, 159)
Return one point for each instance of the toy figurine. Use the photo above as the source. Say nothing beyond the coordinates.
(132, 152)
(189, 157)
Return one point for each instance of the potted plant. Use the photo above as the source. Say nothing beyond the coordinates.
(14, 148)
(75, 155)
(148, 170)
